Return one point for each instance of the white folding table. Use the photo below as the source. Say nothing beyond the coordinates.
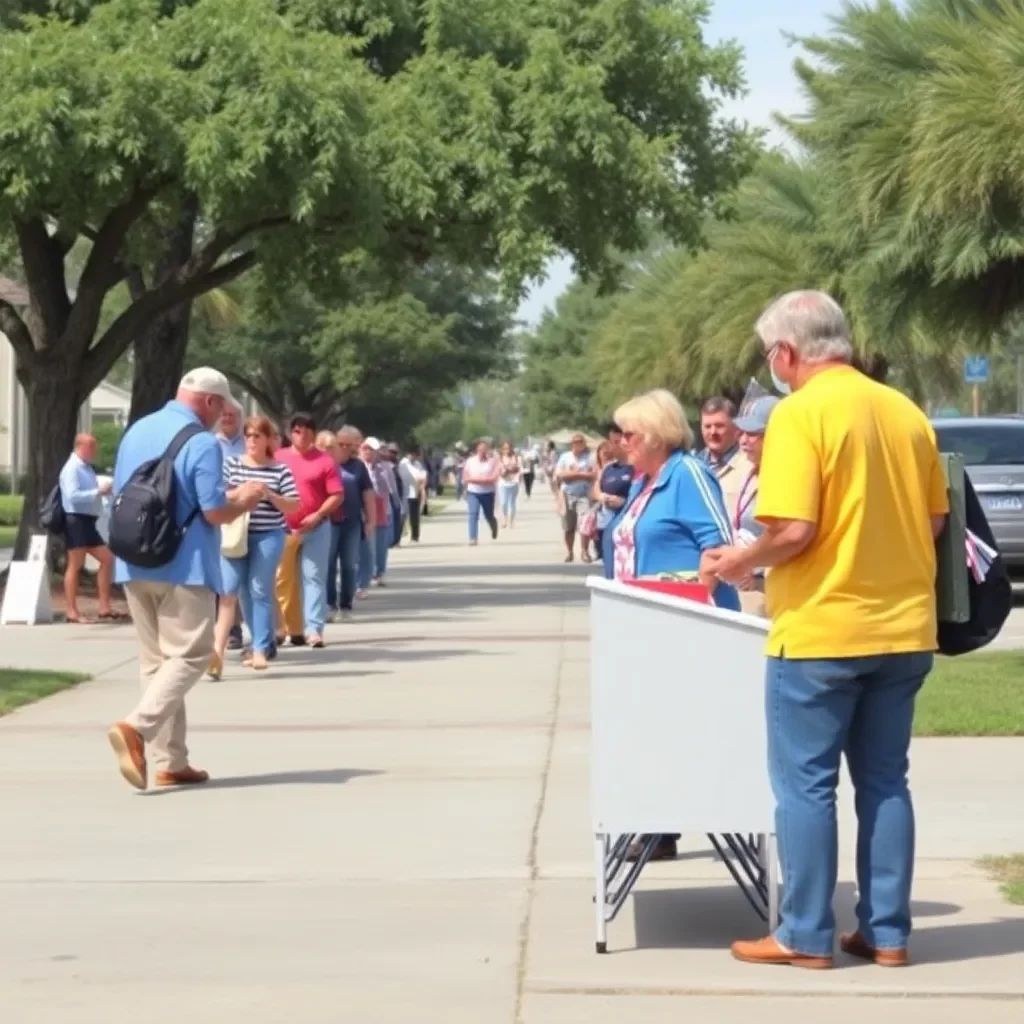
(678, 741)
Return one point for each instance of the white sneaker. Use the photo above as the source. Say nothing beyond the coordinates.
(346, 615)
(333, 615)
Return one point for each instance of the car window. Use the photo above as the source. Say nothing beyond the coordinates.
(1001, 444)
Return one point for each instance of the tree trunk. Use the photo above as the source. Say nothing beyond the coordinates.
(160, 349)
(53, 402)
(159, 361)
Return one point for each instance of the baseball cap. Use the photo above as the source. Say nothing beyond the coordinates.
(205, 380)
(372, 443)
(753, 417)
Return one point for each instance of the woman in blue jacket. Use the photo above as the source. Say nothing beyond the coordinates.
(675, 510)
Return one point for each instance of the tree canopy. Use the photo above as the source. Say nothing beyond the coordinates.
(903, 197)
(190, 140)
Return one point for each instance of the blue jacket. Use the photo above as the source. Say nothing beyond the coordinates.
(685, 516)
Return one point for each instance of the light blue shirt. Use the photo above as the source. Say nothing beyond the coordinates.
(199, 479)
(79, 488)
(232, 446)
(570, 463)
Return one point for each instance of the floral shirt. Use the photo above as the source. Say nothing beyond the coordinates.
(624, 536)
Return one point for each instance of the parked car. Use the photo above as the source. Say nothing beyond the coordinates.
(993, 452)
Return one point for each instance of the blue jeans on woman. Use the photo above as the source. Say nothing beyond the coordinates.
(373, 555)
(252, 578)
(475, 504)
(817, 710)
(509, 494)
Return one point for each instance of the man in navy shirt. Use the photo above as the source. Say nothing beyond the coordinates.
(357, 522)
(172, 606)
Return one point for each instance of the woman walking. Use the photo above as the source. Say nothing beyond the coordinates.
(249, 562)
(508, 484)
(481, 474)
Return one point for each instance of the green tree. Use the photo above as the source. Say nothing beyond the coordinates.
(383, 357)
(189, 140)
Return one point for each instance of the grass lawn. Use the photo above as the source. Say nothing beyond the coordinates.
(20, 686)
(974, 695)
(7, 536)
(1009, 872)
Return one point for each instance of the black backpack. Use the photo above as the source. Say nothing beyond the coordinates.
(51, 513)
(990, 600)
(143, 521)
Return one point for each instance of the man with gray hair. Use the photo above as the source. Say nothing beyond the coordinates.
(852, 496)
(229, 430)
(721, 452)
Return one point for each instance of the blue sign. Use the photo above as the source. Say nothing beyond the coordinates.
(468, 401)
(976, 369)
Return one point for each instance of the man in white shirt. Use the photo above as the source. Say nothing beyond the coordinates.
(413, 476)
(575, 473)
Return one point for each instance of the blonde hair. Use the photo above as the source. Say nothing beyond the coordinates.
(326, 440)
(659, 417)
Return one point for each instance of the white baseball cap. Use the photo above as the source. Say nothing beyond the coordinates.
(373, 444)
(205, 380)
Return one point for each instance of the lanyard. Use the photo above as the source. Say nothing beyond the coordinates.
(746, 500)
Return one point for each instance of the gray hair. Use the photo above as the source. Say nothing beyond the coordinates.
(718, 404)
(812, 322)
(350, 431)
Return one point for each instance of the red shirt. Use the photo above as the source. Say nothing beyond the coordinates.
(316, 476)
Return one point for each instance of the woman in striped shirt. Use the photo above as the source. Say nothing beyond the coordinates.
(250, 579)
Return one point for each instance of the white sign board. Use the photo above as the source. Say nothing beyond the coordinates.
(27, 597)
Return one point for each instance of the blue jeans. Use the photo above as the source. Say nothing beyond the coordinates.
(252, 578)
(817, 710)
(509, 495)
(313, 556)
(344, 562)
(475, 504)
(373, 555)
(384, 539)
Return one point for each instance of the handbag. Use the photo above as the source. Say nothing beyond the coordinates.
(234, 537)
(588, 527)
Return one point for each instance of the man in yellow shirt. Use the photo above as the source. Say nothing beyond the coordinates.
(852, 495)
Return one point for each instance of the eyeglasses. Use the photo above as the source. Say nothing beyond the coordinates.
(252, 434)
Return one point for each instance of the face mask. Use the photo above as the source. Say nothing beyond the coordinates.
(780, 385)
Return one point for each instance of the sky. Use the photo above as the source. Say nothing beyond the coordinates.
(760, 27)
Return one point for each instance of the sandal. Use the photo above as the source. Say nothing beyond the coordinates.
(113, 617)
(216, 669)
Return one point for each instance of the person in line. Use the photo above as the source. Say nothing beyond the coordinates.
(481, 473)
(373, 559)
(358, 523)
(611, 489)
(249, 578)
(721, 452)
(576, 472)
(459, 471)
(752, 424)
(673, 514)
(550, 465)
(852, 495)
(232, 444)
(307, 546)
(508, 484)
(81, 496)
(413, 476)
(396, 493)
(529, 461)
(172, 606)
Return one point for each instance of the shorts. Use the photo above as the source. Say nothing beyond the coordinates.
(80, 532)
(574, 511)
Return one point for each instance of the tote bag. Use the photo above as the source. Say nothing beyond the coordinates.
(234, 537)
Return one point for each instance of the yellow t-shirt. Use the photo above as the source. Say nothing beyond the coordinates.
(858, 459)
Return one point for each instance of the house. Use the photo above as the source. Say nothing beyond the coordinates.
(108, 403)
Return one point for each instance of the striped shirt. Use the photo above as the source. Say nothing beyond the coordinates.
(275, 477)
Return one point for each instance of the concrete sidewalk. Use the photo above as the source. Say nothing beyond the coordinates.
(398, 832)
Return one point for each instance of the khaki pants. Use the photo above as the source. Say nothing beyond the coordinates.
(752, 602)
(289, 588)
(175, 629)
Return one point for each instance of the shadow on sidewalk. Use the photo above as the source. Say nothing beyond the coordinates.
(312, 777)
(716, 916)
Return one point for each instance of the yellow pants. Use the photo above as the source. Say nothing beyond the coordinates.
(289, 587)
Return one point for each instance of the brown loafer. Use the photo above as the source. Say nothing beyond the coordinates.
(768, 951)
(186, 777)
(664, 849)
(856, 945)
(131, 753)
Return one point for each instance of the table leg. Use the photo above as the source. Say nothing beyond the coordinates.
(601, 891)
(770, 860)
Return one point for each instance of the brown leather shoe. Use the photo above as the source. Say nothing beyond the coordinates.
(664, 849)
(188, 776)
(768, 951)
(131, 753)
(856, 945)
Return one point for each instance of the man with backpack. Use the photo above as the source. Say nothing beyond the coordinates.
(169, 505)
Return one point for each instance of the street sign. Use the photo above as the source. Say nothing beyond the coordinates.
(949, 412)
(975, 369)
